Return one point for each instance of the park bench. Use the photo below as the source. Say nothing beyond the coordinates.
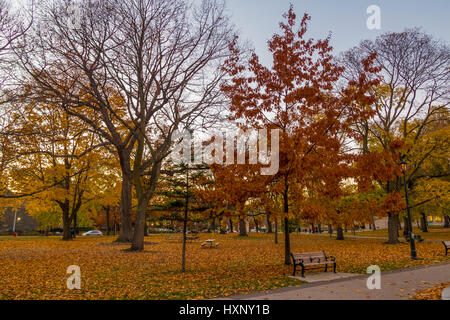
(416, 237)
(312, 259)
(447, 246)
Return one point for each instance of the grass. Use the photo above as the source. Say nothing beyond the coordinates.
(35, 267)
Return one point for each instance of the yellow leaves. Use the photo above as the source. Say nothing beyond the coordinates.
(239, 266)
(58, 159)
(436, 191)
(433, 293)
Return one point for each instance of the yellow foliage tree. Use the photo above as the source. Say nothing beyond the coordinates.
(58, 163)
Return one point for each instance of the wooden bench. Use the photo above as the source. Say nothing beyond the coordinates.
(308, 259)
(447, 246)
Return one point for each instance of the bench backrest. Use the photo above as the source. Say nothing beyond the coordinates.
(446, 243)
(309, 257)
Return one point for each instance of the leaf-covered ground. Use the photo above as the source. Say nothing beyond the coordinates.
(433, 293)
(35, 267)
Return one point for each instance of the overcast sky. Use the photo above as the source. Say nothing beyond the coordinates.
(345, 19)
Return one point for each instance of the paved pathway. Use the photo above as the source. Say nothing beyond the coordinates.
(395, 285)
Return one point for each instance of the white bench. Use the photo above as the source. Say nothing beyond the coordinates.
(211, 242)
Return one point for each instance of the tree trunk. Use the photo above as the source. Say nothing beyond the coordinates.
(139, 226)
(287, 243)
(406, 226)
(231, 225)
(276, 231)
(222, 227)
(212, 226)
(66, 224)
(446, 221)
(269, 224)
(374, 228)
(75, 226)
(340, 233)
(242, 228)
(392, 229)
(424, 222)
(287, 240)
(256, 225)
(108, 226)
(330, 229)
(186, 208)
(183, 249)
(145, 225)
(126, 229)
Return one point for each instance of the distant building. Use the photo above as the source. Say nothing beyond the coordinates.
(24, 222)
(435, 220)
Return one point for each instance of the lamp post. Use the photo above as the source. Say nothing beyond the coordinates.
(15, 219)
(402, 164)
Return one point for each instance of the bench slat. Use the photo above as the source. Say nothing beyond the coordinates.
(311, 258)
(318, 264)
(308, 255)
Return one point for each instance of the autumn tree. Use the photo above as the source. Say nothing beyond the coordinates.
(105, 207)
(56, 162)
(13, 25)
(235, 185)
(429, 180)
(296, 95)
(414, 89)
(161, 57)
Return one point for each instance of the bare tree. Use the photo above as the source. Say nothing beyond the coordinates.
(13, 25)
(414, 91)
(135, 71)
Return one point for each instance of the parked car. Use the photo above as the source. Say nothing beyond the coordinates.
(93, 233)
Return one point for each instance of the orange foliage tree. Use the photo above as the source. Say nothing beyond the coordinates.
(297, 95)
(231, 188)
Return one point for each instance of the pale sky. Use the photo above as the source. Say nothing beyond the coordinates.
(257, 20)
